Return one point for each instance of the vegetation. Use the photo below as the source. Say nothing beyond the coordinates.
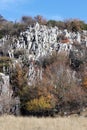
(5, 64)
(42, 103)
(34, 123)
(14, 28)
(58, 91)
(18, 79)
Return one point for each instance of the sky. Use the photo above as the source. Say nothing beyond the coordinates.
(50, 9)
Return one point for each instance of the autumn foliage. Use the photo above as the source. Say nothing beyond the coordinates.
(43, 103)
(58, 88)
(85, 82)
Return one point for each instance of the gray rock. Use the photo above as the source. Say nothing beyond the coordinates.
(6, 100)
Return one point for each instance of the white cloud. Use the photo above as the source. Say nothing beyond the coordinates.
(12, 1)
(6, 1)
(6, 4)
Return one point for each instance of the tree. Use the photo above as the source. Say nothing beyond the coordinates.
(40, 19)
(74, 25)
(28, 20)
(52, 23)
(18, 79)
(67, 89)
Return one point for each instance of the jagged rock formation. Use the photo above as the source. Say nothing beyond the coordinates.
(8, 104)
(30, 49)
(39, 41)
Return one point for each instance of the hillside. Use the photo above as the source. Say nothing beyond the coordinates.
(43, 70)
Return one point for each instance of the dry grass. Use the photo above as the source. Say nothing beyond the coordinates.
(32, 123)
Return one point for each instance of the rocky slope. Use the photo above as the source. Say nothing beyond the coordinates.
(31, 47)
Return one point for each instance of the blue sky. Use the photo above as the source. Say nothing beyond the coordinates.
(50, 9)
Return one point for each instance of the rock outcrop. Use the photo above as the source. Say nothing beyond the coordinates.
(8, 104)
(30, 48)
(40, 41)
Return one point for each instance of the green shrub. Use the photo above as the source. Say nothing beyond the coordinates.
(43, 103)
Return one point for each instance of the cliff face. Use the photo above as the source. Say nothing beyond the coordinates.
(38, 42)
(41, 40)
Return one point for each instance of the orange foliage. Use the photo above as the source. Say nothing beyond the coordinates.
(65, 41)
(85, 82)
